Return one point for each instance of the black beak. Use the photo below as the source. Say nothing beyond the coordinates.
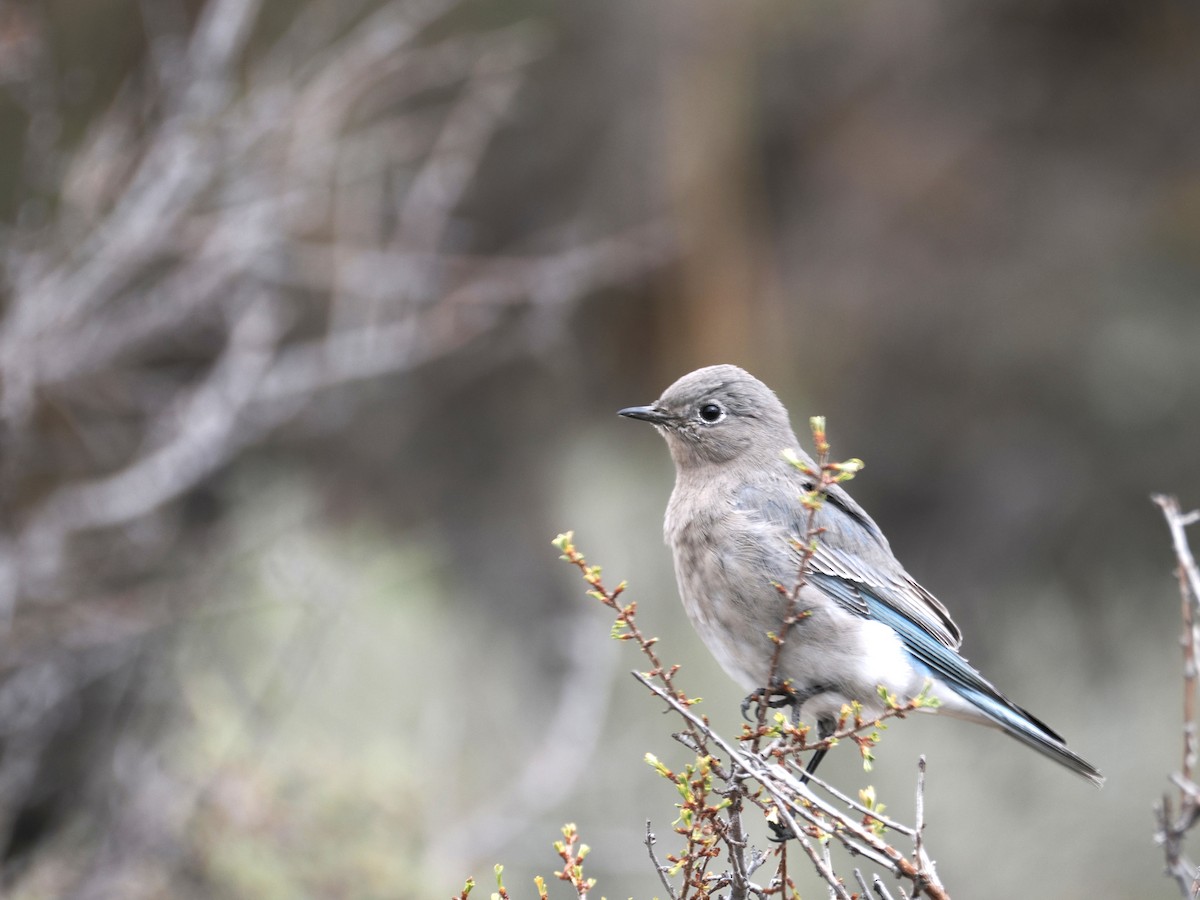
(650, 414)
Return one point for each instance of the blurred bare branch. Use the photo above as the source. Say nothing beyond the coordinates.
(203, 438)
(245, 226)
(562, 751)
(257, 192)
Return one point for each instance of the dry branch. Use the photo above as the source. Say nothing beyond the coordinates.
(245, 227)
(1174, 824)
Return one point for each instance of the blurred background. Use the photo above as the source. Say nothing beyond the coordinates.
(316, 315)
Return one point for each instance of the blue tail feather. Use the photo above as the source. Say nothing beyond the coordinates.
(952, 670)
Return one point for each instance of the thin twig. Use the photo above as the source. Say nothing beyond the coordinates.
(827, 855)
(735, 840)
(792, 612)
(1189, 591)
(837, 889)
(658, 867)
(783, 788)
(890, 823)
(919, 858)
(567, 742)
(1172, 829)
(862, 881)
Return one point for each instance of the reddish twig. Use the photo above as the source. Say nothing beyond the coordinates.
(824, 476)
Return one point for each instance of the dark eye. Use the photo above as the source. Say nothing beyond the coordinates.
(711, 413)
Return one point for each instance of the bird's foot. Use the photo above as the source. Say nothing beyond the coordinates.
(771, 698)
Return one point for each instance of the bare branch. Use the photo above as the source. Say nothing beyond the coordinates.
(219, 38)
(880, 889)
(204, 437)
(662, 870)
(249, 223)
(795, 799)
(564, 749)
(920, 860)
(1173, 828)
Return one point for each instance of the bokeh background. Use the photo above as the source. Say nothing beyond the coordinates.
(316, 314)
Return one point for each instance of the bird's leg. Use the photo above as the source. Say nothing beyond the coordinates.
(826, 726)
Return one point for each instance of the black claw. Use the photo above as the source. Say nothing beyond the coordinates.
(746, 701)
(776, 697)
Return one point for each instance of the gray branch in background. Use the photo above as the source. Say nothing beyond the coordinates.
(227, 191)
(239, 231)
(562, 750)
(205, 436)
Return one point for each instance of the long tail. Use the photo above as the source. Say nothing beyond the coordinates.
(1029, 730)
(981, 701)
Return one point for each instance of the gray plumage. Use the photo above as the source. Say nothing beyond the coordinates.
(730, 523)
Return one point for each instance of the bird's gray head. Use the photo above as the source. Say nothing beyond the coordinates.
(718, 414)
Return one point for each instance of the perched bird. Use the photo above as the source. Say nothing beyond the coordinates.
(732, 522)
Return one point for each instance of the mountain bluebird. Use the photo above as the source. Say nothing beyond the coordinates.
(732, 523)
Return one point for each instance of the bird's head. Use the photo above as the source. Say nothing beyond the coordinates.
(718, 414)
